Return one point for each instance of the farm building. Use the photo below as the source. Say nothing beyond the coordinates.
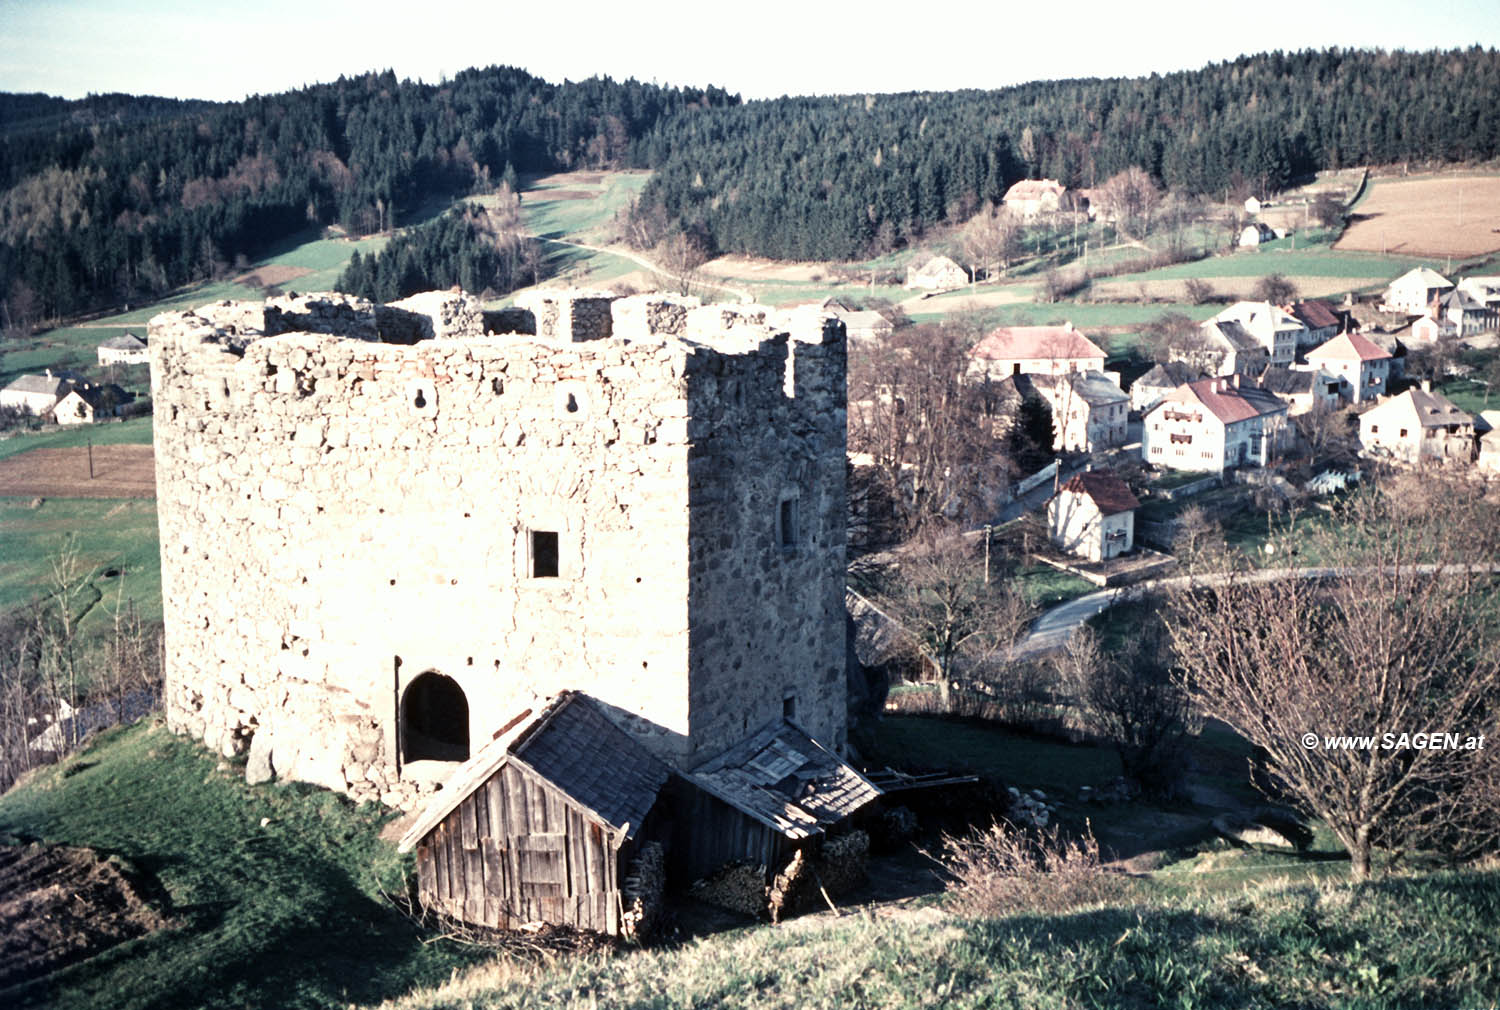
(1031, 197)
(86, 403)
(35, 394)
(541, 824)
(124, 349)
(1415, 291)
(1035, 350)
(1418, 426)
(938, 274)
(1256, 234)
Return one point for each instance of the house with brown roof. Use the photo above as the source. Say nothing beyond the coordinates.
(1090, 412)
(1214, 425)
(1318, 319)
(1093, 516)
(1363, 369)
(1417, 426)
(1031, 197)
(1035, 350)
(937, 274)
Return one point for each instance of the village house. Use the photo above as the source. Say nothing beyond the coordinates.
(1362, 368)
(1414, 291)
(86, 403)
(35, 394)
(1031, 197)
(1224, 348)
(1214, 425)
(1255, 234)
(1487, 426)
(1035, 350)
(1302, 389)
(938, 274)
(1466, 315)
(1482, 289)
(124, 349)
(1089, 410)
(1093, 516)
(1149, 389)
(866, 326)
(1417, 426)
(1318, 319)
(1274, 328)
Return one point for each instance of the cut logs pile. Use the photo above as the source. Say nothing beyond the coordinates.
(642, 893)
(739, 887)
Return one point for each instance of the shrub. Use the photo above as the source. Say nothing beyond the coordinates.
(1003, 869)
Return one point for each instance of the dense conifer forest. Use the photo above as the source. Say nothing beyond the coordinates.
(112, 198)
(116, 198)
(835, 178)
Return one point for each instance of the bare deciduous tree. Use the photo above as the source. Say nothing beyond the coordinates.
(1132, 699)
(938, 591)
(993, 237)
(1398, 637)
(1276, 289)
(1132, 197)
(919, 429)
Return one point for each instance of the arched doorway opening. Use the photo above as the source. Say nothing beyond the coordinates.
(434, 720)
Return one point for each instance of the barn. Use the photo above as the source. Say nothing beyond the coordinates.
(546, 822)
(541, 824)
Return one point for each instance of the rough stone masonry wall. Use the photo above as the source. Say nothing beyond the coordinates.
(340, 515)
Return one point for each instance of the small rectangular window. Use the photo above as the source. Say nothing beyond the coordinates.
(789, 707)
(544, 554)
(788, 523)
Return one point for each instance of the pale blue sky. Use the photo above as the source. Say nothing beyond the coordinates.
(220, 51)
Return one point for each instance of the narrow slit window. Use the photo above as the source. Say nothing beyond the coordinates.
(788, 523)
(544, 554)
(789, 707)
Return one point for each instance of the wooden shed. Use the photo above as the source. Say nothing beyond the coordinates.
(541, 824)
(773, 793)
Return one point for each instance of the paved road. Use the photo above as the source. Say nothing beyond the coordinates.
(1053, 629)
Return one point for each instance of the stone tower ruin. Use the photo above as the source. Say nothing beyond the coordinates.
(385, 529)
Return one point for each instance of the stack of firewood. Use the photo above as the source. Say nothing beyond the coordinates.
(739, 887)
(842, 863)
(643, 893)
(794, 889)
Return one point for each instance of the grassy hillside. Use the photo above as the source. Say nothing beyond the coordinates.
(1428, 941)
(275, 896)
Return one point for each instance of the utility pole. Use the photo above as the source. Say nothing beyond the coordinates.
(986, 553)
(91, 458)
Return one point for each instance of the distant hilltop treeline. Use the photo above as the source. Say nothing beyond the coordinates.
(838, 178)
(113, 198)
(117, 198)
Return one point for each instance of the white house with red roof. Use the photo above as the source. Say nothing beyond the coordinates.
(1035, 350)
(1213, 425)
(1318, 319)
(1093, 516)
(1363, 369)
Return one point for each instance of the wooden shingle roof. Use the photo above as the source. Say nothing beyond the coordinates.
(573, 746)
(784, 779)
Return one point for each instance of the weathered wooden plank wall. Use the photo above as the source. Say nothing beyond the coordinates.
(517, 850)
